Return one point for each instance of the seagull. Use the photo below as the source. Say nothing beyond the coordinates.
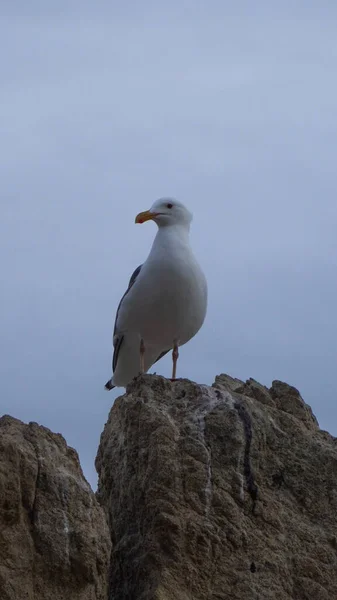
(165, 303)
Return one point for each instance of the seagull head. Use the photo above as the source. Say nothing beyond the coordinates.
(165, 212)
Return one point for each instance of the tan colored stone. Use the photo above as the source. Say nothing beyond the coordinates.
(54, 539)
(218, 493)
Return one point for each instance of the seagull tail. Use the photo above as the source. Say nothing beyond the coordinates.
(109, 385)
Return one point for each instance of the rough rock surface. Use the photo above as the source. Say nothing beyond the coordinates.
(218, 493)
(54, 539)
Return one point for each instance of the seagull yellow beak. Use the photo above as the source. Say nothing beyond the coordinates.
(147, 215)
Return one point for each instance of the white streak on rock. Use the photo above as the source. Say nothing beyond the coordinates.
(211, 399)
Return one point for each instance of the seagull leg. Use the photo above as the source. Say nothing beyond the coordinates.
(175, 354)
(142, 355)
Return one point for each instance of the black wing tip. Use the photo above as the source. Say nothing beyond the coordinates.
(109, 386)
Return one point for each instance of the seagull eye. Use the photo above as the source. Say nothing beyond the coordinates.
(169, 205)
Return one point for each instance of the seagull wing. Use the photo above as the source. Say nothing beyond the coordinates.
(161, 355)
(118, 339)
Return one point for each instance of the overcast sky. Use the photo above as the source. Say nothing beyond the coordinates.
(231, 107)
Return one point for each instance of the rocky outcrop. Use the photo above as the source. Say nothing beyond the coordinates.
(207, 493)
(218, 493)
(54, 539)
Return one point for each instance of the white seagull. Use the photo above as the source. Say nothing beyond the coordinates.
(166, 301)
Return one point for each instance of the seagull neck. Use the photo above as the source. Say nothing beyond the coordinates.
(176, 235)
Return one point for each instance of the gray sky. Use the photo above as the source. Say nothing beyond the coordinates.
(231, 108)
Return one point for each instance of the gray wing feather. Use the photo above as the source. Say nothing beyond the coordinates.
(118, 339)
(161, 355)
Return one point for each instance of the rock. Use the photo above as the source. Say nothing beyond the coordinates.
(218, 492)
(54, 538)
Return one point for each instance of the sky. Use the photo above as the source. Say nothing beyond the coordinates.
(229, 107)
